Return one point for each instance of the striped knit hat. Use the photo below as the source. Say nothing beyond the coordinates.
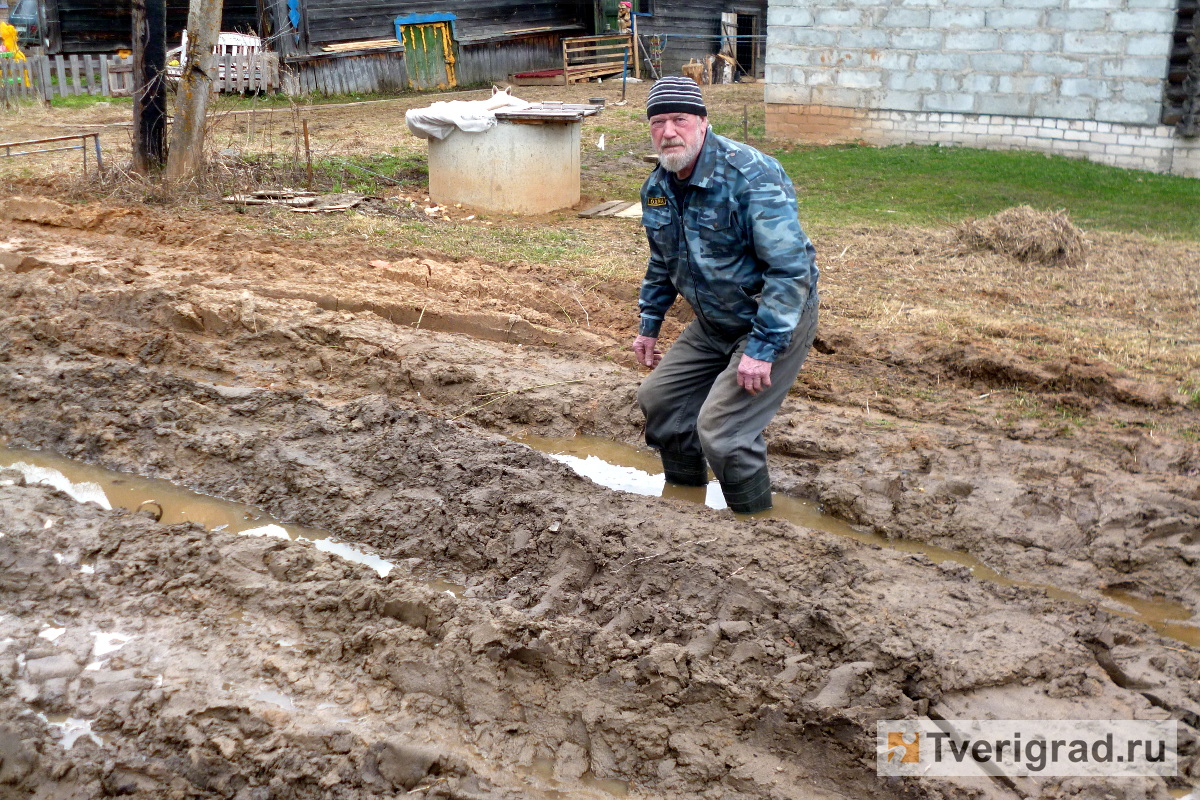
(675, 94)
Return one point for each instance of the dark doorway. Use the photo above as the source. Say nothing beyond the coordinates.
(748, 53)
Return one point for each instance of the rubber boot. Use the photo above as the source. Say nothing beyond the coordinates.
(684, 469)
(750, 495)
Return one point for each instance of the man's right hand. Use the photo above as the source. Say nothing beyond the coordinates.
(647, 351)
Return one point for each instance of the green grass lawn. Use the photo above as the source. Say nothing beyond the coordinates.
(89, 101)
(843, 185)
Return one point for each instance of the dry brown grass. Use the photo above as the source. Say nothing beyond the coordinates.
(1132, 302)
(1028, 235)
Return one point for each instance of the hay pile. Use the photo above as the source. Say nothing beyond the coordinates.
(1028, 235)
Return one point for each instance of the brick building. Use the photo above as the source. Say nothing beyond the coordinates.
(1114, 81)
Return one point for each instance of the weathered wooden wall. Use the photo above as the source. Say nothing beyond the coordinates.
(694, 18)
(495, 60)
(105, 26)
(350, 20)
(346, 74)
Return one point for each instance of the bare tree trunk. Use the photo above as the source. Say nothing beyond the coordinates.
(149, 91)
(187, 135)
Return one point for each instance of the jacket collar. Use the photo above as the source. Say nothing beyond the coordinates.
(706, 163)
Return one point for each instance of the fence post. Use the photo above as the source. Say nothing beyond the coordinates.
(105, 83)
(44, 81)
(60, 63)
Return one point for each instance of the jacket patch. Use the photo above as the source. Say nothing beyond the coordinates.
(656, 201)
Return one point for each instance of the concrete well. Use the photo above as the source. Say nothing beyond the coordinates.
(512, 168)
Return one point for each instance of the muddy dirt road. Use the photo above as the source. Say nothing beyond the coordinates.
(600, 643)
(603, 636)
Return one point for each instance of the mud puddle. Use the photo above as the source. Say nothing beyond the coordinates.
(639, 471)
(543, 768)
(172, 504)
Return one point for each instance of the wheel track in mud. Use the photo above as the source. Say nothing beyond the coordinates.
(1081, 517)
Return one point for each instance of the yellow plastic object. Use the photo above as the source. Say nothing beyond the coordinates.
(8, 37)
(9, 49)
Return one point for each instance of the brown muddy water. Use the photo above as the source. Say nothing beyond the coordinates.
(639, 471)
(605, 462)
(174, 504)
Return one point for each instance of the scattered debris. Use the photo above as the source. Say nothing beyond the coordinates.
(298, 200)
(273, 197)
(332, 202)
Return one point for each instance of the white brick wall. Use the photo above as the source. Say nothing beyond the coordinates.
(1040, 74)
(1154, 148)
(1111, 54)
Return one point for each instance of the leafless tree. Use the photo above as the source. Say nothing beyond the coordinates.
(186, 159)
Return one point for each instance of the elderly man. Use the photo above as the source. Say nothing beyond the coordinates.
(722, 223)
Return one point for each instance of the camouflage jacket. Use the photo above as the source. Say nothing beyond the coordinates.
(733, 247)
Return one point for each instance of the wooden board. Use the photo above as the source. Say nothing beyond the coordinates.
(610, 208)
(556, 79)
(368, 44)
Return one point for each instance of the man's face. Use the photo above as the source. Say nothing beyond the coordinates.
(678, 138)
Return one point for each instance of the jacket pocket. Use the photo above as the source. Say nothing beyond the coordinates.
(718, 235)
(659, 229)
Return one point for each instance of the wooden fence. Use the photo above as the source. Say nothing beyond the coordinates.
(45, 77)
(16, 83)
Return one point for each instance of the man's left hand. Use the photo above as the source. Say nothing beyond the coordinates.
(754, 375)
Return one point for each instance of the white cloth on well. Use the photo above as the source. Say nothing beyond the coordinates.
(444, 117)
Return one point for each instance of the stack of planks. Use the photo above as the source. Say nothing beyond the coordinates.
(588, 57)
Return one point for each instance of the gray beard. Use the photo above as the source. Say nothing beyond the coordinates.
(676, 161)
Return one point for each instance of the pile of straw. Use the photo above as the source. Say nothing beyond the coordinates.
(1028, 235)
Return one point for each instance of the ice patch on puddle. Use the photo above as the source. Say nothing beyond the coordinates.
(274, 698)
(109, 643)
(381, 567)
(349, 552)
(276, 531)
(630, 479)
(73, 729)
(83, 492)
(175, 505)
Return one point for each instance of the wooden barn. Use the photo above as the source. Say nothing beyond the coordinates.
(336, 46)
(106, 26)
(425, 44)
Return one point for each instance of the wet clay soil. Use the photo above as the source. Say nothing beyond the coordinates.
(603, 636)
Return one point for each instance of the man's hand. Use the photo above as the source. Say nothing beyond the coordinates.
(647, 351)
(754, 375)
